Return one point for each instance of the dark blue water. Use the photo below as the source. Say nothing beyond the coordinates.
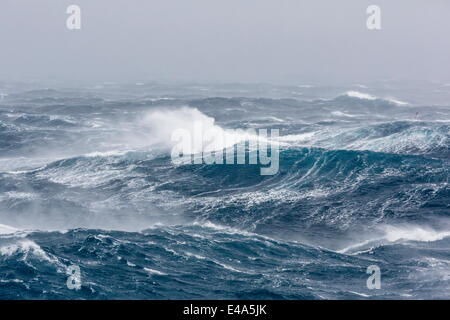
(86, 179)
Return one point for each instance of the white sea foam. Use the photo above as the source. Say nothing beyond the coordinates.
(367, 96)
(153, 271)
(19, 195)
(27, 248)
(414, 233)
(107, 153)
(360, 95)
(302, 137)
(342, 114)
(417, 138)
(398, 102)
(4, 229)
(225, 229)
(163, 123)
(360, 294)
(393, 234)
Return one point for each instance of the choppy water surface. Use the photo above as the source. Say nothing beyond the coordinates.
(86, 178)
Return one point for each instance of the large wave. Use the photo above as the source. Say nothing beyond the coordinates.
(90, 180)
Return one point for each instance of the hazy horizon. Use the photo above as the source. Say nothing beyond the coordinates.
(224, 150)
(202, 41)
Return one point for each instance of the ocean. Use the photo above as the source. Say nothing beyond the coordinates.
(87, 180)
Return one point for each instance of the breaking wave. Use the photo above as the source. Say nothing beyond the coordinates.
(89, 181)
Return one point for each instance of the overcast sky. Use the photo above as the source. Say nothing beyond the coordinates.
(225, 40)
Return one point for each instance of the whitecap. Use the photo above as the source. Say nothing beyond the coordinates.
(360, 95)
(414, 233)
(153, 271)
(4, 229)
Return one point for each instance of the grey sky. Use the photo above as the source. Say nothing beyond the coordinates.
(225, 40)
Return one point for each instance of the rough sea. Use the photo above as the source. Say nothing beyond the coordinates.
(86, 179)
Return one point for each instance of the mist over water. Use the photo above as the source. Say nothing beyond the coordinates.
(87, 179)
